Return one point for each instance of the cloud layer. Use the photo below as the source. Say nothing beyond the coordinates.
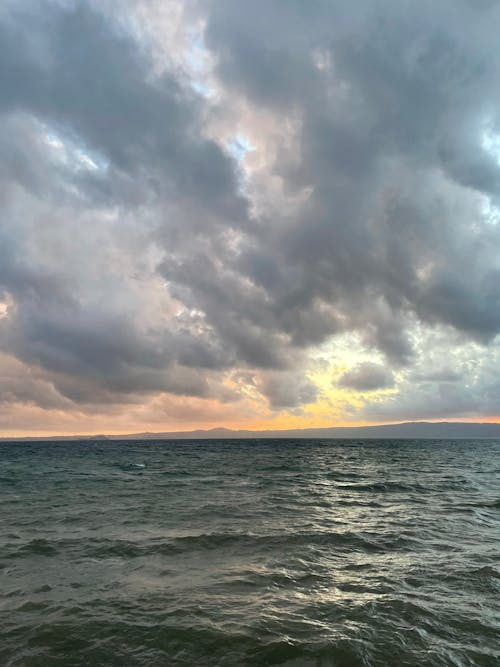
(273, 210)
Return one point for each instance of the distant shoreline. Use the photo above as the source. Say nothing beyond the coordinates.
(403, 431)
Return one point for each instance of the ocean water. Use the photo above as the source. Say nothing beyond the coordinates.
(383, 553)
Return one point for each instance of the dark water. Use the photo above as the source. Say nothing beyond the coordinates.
(250, 553)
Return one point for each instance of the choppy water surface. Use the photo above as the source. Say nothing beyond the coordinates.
(250, 553)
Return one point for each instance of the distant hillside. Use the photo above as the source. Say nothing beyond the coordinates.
(407, 430)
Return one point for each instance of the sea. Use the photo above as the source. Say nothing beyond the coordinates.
(250, 552)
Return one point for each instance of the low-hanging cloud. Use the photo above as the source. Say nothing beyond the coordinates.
(366, 376)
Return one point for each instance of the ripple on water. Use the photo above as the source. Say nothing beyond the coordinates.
(382, 554)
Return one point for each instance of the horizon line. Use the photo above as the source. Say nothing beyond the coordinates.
(258, 433)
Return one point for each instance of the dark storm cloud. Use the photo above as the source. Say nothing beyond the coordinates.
(133, 253)
(70, 75)
(76, 71)
(404, 86)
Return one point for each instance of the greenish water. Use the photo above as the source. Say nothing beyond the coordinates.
(250, 553)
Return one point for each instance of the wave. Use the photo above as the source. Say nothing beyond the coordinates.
(37, 547)
(107, 548)
(247, 541)
(482, 504)
(493, 504)
(132, 466)
(383, 487)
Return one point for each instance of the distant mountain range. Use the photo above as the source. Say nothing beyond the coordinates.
(407, 430)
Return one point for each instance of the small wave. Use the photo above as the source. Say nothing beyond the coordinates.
(132, 466)
(115, 549)
(338, 475)
(494, 504)
(383, 487)
(486, 572)
(357, 503)
(485, 504)
(244, 541)
(38, 547)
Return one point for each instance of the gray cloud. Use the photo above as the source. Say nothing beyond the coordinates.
(367, 376)
(288, 390)
(405, 89)
(78, 91)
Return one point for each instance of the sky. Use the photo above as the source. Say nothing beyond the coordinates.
(265, 214)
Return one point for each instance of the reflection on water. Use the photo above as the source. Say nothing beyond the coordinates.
(250, 553)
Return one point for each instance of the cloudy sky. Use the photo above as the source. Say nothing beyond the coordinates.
(273, 213)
